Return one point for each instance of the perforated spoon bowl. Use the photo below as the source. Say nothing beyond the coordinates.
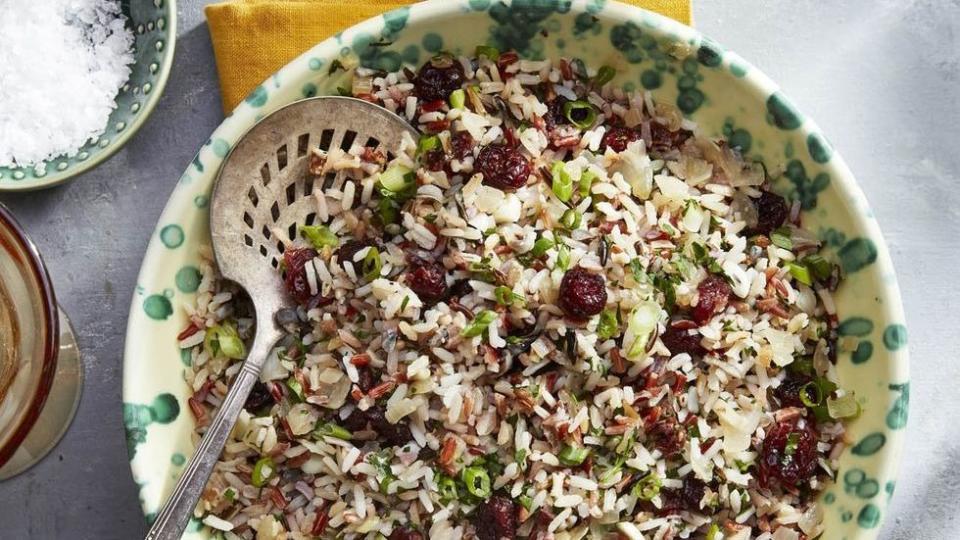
(264, 188)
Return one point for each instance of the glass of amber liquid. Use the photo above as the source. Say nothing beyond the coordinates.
(40, 375)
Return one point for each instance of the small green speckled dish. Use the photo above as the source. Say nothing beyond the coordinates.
(727, 96)
(154, 25)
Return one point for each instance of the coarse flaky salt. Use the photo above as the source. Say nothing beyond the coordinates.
(63, 63)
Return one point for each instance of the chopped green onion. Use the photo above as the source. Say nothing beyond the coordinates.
(319, 236)
(458, 98)
(820, 267)
(573, 456)
(781, 238)
(563, 257)
(427, 143)
(483, 269)
(223, 338)
(580, 113)
(371, 265)
(388, 211)
(608, 474)
(526, 501)
(713, 533)
(647, 487)
(479, 323)
(541, 246)
(447, 487)
(586, 180)
(506, 297)
(263, 471)
(604, 75)
(229, 494)
(608, 325)
(398, 179)
(294, 385)
(385, 484)
(329, 429)
(800, 272)
(492, 53)
(811, 394)
(562, 183)
(477, 481)
(571, 219)
(643, 325)
(845, 406)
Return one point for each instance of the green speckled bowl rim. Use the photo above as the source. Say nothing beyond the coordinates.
(163, 73)
(151, 406)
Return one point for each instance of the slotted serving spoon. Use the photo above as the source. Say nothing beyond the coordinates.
(264, 188)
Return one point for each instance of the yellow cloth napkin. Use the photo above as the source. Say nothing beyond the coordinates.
(254, 38)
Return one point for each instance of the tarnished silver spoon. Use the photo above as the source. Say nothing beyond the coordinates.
(264, 188)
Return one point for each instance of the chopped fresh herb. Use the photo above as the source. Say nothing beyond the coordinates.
(506, 297)
(329, 429)
(604, 75)
(573, 456)
(580, 113)
(781, 238)
(229, 494)
(793, 440)
(430, 218)
(571, 219)
(636, 268)
(702, 257)
(458, 99)
(666, 283)
(403, 305)
(520, 457)
(319, 236)
(479, 323)
(742, 466)
(667, 228)
(477, 481)
(800, 272)
(611, 471)
(647, 487)
(608, 326)
(371, 265)
(561, 182)
(388, 210)
(263, 471)
(492, 53)
(563, 257)
(345, 92)
(483, 270)
(427, 143)
(526, 501)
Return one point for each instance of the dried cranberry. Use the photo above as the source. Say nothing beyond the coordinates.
(583, 294)
(670, 502)
(555, 116)
(789, 453)
(404, 533)
(462, 144)
(503, 167)
(434, 160)
(692, 492)
(438, 78)
(295, 279)
(680, 340)
(662, 139)
(390, 434)
(258, 398)
(788, 393)
(428, 280)
(459, 289)
(714, 294)
(618, 137)
(772, 212)
(496, 518)
(349, 249)
(667, 435)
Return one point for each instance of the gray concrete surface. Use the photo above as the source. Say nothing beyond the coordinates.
(880, 76)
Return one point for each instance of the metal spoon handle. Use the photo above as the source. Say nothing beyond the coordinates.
(176, 511)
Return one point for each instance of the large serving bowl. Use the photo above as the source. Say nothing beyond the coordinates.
(154, 26)
(728, 98)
